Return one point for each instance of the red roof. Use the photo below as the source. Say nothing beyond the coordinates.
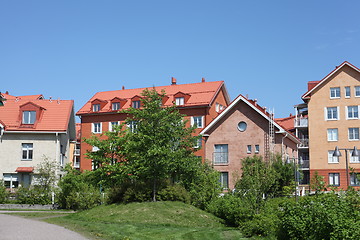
(201, 94)
(287, 123)
(54, 117)
(24, 169)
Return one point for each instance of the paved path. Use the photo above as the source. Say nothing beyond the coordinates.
(14, 227)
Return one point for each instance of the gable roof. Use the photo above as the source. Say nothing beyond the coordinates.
(252, 104)
(55, 117)
(318, 84)
(201, 94)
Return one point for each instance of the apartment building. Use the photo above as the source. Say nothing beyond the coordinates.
(244, 129)
(329, 119)
(32, 129)
(200, 103)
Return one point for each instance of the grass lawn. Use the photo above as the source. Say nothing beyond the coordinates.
(155, 220)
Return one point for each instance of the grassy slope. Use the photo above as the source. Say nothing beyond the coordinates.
(159, 220)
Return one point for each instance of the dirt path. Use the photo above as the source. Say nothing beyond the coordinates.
(14, 227)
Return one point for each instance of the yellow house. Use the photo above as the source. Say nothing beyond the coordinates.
(333, 121)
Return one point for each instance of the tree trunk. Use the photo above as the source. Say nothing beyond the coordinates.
(154, 190)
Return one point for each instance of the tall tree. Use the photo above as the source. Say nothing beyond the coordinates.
(152, 145)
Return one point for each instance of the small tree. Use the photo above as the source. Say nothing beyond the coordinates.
(317, 183)
(46, 174)
(154, 147)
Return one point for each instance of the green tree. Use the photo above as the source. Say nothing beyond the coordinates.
(151, 146)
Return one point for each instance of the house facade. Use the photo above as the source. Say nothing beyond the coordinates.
(244, 129)
(32, 129)
(330, 118)
(200, 103)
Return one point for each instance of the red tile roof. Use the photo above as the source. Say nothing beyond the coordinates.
(201, 94)
(24, 169)
(287, 123)
(55, 116)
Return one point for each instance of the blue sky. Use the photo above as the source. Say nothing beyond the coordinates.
(71, 49)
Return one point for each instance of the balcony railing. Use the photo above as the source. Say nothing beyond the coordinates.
(304, 142)
(301, 122)
(77, 152)
(220, 158)
(304, 164)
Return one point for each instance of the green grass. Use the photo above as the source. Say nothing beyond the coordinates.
(158, 220)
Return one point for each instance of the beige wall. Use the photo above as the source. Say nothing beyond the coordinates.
(318, 125)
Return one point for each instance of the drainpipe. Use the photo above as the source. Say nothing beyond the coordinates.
(282, 146)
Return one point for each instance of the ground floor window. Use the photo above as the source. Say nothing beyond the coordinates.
(11, 180)
(224, 180)
(354, 179)
(334, 179)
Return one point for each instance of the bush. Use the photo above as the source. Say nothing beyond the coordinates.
(33, 195)
(3, 193)
(174, 192)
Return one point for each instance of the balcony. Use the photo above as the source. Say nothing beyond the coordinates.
(220, 158)
(77, 152)
(304, 143)
(301, 122)
(304, 164)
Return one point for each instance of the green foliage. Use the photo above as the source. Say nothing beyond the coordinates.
(317, 183)
(77, 190)
(3, 192)
(325, 216)
(174, 192)
(156, 148)
(46, 175)
(33, 195)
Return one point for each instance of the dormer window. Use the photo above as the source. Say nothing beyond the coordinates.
(96, 107)
(115, 106)
(136, 104)
(179, 101)
(29, 117)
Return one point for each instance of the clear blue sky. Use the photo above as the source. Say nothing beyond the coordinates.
(71, 49)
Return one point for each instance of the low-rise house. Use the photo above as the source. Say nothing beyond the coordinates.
(32, 129)
(244, 129)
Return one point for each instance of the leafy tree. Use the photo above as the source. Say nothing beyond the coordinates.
(151, 146)
(317, 183)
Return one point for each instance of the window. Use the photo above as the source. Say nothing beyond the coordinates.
(224, 180)
(354, 179)
(347, 92)
(332, 134)
(331, 158)
(357, 91)
(352, 112)
(353, 133)
(96, 127)
(354, 159)
(198, 143)
(197, 121)
(27, 151)
(96, 107)
(29, 117)
(10, 180)
(132, 126)
(331, 113)
(179, 101)
(136, 104)
(242, 126)
(257, 148)
(221, 154)
(115, 106)
(248, 149)
(334, 179)
(112, 125)
(95, 149)
(335, 92)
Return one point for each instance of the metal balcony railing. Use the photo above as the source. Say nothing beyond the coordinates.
(304, 164)
(220, 158)
(301, 122)
(304, 142)
(77, 152)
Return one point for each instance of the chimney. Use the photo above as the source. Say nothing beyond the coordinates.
(173, 81)
(202, 79)
(255, 102)
(123, 88)
(7, 92)
(50, 99)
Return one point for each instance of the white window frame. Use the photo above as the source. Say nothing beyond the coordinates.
(353, 159)
(332, 134)
(96, 127)
(257, 148)
(135, 104)
(112, 124)
(132, 125)
(224, 180)
(28, 150)
(347, 92)
(335, 92)
(332, 159)
(29, 117)
(221, 154)
(353, 134)
(196, 120)
(357, 91)
(248, 149)
(353, 110)
(179, 101)
(327, 116)
(198, 143)
(334, 179)
(96, 107)
(115, 106)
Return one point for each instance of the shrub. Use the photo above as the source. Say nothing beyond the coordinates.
(174, 192)
(33, 195)
(3, 193)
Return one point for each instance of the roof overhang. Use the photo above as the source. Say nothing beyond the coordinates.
(24, 170)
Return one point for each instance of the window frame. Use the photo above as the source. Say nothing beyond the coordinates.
(111, 125)
(330, 135)
(257, 148)
(353, 159)
(96, 107)
(353, 107)
(28, 149)
(336, 92)
(224, 178)
(354, 179)
(115, 106)
(96, 126)
(332, 113)
(29, 117)
(195, 119)
(136, 104)
(357, 91)
(334, 179)
(221, 151)
(355, 135)
(179, 101)
(332, 159)
(248, 149)
(347, 92)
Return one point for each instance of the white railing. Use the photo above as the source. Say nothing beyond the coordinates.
(301, 122)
